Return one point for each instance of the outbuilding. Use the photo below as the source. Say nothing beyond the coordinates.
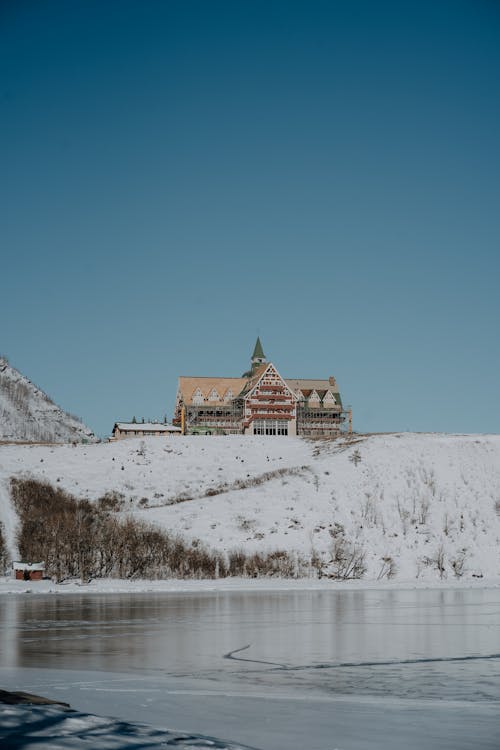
(143, 429)
(25, 571)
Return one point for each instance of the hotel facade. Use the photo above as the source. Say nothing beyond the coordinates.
(261, 402)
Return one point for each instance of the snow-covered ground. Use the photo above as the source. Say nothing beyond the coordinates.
(424, 505)
(8, 585)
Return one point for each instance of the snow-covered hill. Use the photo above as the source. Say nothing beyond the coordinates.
(28, 414)
(420, 507)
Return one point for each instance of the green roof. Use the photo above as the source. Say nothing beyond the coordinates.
(258, 352)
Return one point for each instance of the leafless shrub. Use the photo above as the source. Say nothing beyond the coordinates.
(336, 530)
(317, 563)
(348, 560)
(387, 569)
(440, 560)
(113, 501)
(355, 457)
(423, 511)
(245, 524)
(497, 507)
(257, 565)
(213, 491)
(458, 563)
(429, 479)
(243, 484)
(182, 497)
(75, 537)
(436, 561)
(404, 515)
(4, 555)
(369, 510)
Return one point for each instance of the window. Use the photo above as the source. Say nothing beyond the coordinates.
(197, 397)
(270, 427)
(314, 399)
(329, 399)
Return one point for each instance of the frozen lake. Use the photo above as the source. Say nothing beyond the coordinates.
(306, 670)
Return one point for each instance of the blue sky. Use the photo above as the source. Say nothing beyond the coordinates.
(178, 177)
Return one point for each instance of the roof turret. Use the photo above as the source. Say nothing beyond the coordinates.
(258, 358)
(258, 352)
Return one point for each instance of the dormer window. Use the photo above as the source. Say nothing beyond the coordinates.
(314, 399)
(329, 399)
(228, 396)
(213, 395)
(197, 397)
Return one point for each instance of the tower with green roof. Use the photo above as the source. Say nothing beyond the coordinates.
(258, 358)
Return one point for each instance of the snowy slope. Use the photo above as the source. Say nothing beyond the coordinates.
(28, 414)
(426, 506)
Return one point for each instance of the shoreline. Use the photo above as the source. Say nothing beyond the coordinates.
(9, 586)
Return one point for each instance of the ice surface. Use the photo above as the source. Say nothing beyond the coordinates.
(297, 670)
(44, 728)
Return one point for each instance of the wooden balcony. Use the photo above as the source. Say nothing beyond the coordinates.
(263, 415)
(272, 397)
(277, 408)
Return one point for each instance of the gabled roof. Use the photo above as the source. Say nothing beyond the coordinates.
(320, 386)
(242, 386)
(259, 372)
(252, 382)
(188, 385)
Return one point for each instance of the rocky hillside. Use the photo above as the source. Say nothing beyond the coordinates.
(27, 414)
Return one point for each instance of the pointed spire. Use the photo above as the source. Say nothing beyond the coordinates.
(258, 352)
(258, 358)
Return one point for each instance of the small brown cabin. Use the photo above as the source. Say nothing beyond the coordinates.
(24, 571)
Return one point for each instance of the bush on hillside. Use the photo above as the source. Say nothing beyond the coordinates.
(78, 538)
(4, 555)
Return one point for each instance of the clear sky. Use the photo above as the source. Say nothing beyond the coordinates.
(178, 177)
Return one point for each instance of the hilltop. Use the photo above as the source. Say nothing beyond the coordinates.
(28, 414)
(405, 506)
